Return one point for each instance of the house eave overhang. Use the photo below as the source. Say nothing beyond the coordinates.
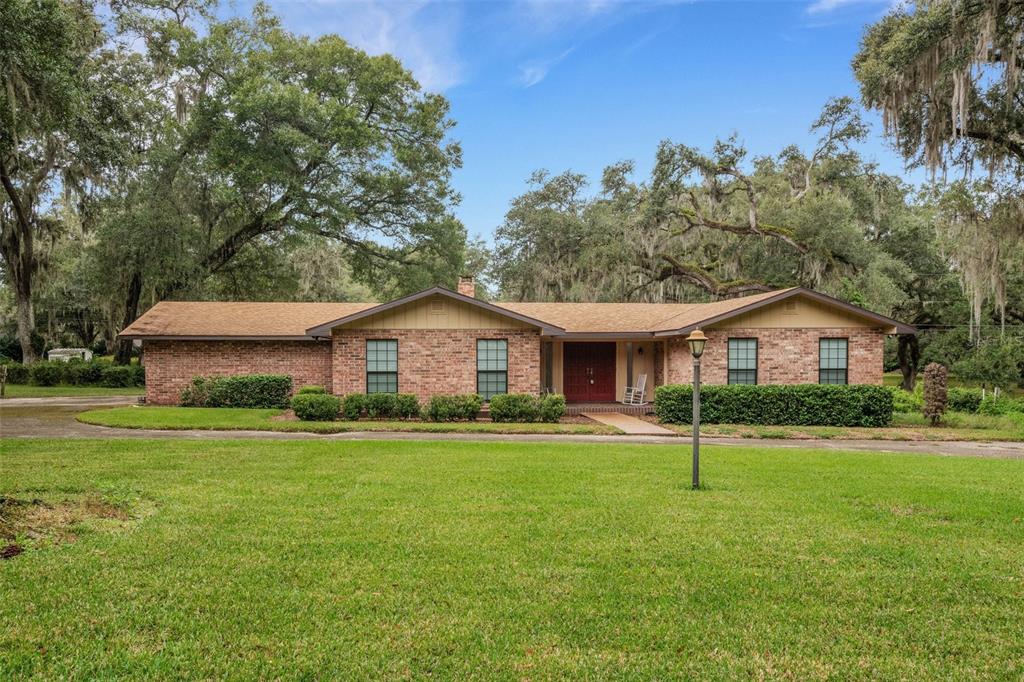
(605, 336)
(890, 325)
(184, 337)
(324, 330)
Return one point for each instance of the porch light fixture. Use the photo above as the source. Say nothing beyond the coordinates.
(696, 339)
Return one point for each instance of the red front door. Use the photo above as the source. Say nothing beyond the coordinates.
(589, 372)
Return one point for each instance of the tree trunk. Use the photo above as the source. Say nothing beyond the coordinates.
(123, 356)
(908, 352)
(26, 320)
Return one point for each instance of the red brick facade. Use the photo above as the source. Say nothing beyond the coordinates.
(784, 356)
(436, 361)
(170, 365)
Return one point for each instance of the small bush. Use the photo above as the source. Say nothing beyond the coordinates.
(352, 406)
(515, 407)
(998, 406)
(935, 378)
(905, 401)
(117, 376)
(252, 390)
(381, 405)
(85, 373)
(552, 407)
(449, 408)
(197, 393)
(306, 390)
(138, 375)
(17, 373)
(778, 405)
(407, 406)
(316, 407)
(47, 373)
(963, 399)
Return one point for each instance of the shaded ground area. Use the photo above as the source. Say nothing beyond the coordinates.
(58, 421)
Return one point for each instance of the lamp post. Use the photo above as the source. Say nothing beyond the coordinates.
(696, 339)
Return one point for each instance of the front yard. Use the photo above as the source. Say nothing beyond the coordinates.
(505, 560)
(66, 391)
(234, 419)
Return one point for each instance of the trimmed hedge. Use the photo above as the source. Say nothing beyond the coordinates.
(314, 406)
(800, 405)
(449, 408)
(117, 376)
(76, 372)
(251, 390)
(525, 407)
(391, 406)
(311, 390)
(352, 406)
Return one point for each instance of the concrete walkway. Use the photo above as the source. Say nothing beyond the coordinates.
(631, 426)
(58, 421)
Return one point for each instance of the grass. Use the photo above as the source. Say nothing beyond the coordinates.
(64, 391)
(895, 379)
(955, 426)
(450, 560)
(221, 418)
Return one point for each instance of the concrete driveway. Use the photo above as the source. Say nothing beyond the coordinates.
(55, 418)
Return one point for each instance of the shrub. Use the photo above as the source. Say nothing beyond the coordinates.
(407, 406)
(138, 375)
(963, 399)
(905, 401)
(316, 407)
(381, 405)
(449, 408)
(515, 407)
(552, 407)
(935, 377)
(997, 406)
(800, 405)
(352, 405)
(305, 390)
(117, 376)
(85, 373)
(17, 373)
(47, 372)
(252, 390)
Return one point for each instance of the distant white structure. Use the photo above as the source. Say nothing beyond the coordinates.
(65, 354)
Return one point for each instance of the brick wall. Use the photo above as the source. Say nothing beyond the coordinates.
(436, 361)
(784, 356)
(170, 365)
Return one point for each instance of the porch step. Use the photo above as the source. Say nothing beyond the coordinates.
(575, 409)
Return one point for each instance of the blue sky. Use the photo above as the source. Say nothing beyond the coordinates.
(580, 85)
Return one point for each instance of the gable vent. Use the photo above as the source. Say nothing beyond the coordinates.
(789, 306)
(437, 307)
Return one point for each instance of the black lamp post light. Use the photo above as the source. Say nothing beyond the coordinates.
(696, 339)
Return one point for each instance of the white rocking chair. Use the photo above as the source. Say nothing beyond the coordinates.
(635, 394)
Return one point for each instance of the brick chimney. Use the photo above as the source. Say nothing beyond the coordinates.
(467, 287)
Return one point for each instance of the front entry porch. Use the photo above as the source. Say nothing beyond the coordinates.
(594, 374)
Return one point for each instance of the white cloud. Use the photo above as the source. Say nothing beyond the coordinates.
(421, 34)
(533, 72)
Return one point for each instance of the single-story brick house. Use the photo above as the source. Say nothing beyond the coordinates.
(440, 341)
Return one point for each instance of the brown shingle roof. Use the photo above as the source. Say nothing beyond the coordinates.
(219, 319)
(296, 320)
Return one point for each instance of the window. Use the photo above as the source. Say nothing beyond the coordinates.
(381, 366)
(832, 361)
(742, 361)
(491, 367)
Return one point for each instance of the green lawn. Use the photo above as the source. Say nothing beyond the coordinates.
(27, 391)
(449, 560)
(230, 418)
